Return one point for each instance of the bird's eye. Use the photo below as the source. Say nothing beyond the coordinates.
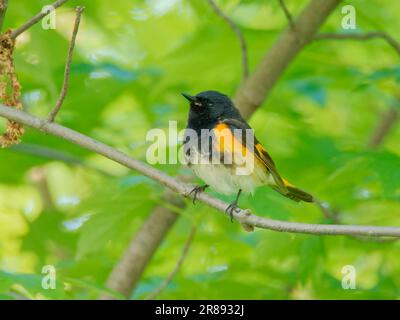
(198, 104)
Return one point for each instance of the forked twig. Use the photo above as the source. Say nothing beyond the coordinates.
(67, 71)
(239, 34)
(15, 33)
(361, 36)
(3, 9)
(287, 13)
(177, 267)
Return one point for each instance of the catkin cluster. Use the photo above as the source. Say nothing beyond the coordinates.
(10, 90)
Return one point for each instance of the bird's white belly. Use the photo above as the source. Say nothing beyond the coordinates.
(242, 172)
(225, 180)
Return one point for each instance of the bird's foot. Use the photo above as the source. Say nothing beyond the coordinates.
(196, 190)
(231, 208)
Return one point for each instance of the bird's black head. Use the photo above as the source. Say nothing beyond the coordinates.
(210, 106)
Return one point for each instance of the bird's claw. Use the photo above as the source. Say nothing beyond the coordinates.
(231, 208)
(196, 191)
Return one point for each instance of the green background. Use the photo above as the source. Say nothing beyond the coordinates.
(132, 60)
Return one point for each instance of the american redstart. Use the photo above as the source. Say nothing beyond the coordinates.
(222, 150)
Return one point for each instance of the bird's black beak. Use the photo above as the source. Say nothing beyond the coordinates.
(189, 97)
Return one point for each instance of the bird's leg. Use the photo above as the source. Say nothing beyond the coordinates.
(233, 206)
(196, 190)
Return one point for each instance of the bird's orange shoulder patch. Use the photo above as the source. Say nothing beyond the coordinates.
(226, 141)
(221, 126)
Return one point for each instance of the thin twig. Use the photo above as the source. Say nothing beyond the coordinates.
(253, 92)
(333, 215)
(67, 71)
(287, 13)
(385, 124)
(38, 176)
(361, 36)
(177, 267)
(243, 216)
(327, 211)
(3, 9)
(15, 33)
(46, 153)
(239, 34)
(54, 154)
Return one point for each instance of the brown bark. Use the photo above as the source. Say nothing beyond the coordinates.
(128, 270)
(3, 9)
(384, 126)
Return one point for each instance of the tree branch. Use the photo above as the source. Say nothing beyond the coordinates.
(38, 176)
(287, 13)
(389, 118)
(15, 33)
(239, 34)
(334, 216)
(386, 123)
(253, 92)
(67, 71)
(3, 9)
(46, 153)
(361, 36)
(243, 216)
(53, 154)
(127, 271)
(178, 265)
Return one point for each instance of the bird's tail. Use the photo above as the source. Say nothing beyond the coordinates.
(298, 195)
(294, 193)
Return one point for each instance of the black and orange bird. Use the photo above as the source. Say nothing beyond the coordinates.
(223, 151)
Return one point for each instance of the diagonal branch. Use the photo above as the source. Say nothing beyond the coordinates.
(67, 71)
(386, 123)
(361, 36)
(54, 154)
(243, 216)
(239, 34)
(3, 9)
(127, 271)
(15, 33)
(37, 175)
(334, 216)
(287, 13)
(389, 118)
(178, 265)
(256, 88)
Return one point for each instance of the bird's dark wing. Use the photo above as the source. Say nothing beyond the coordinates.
(258, 150)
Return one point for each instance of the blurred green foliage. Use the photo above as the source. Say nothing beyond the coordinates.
(132, 60)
